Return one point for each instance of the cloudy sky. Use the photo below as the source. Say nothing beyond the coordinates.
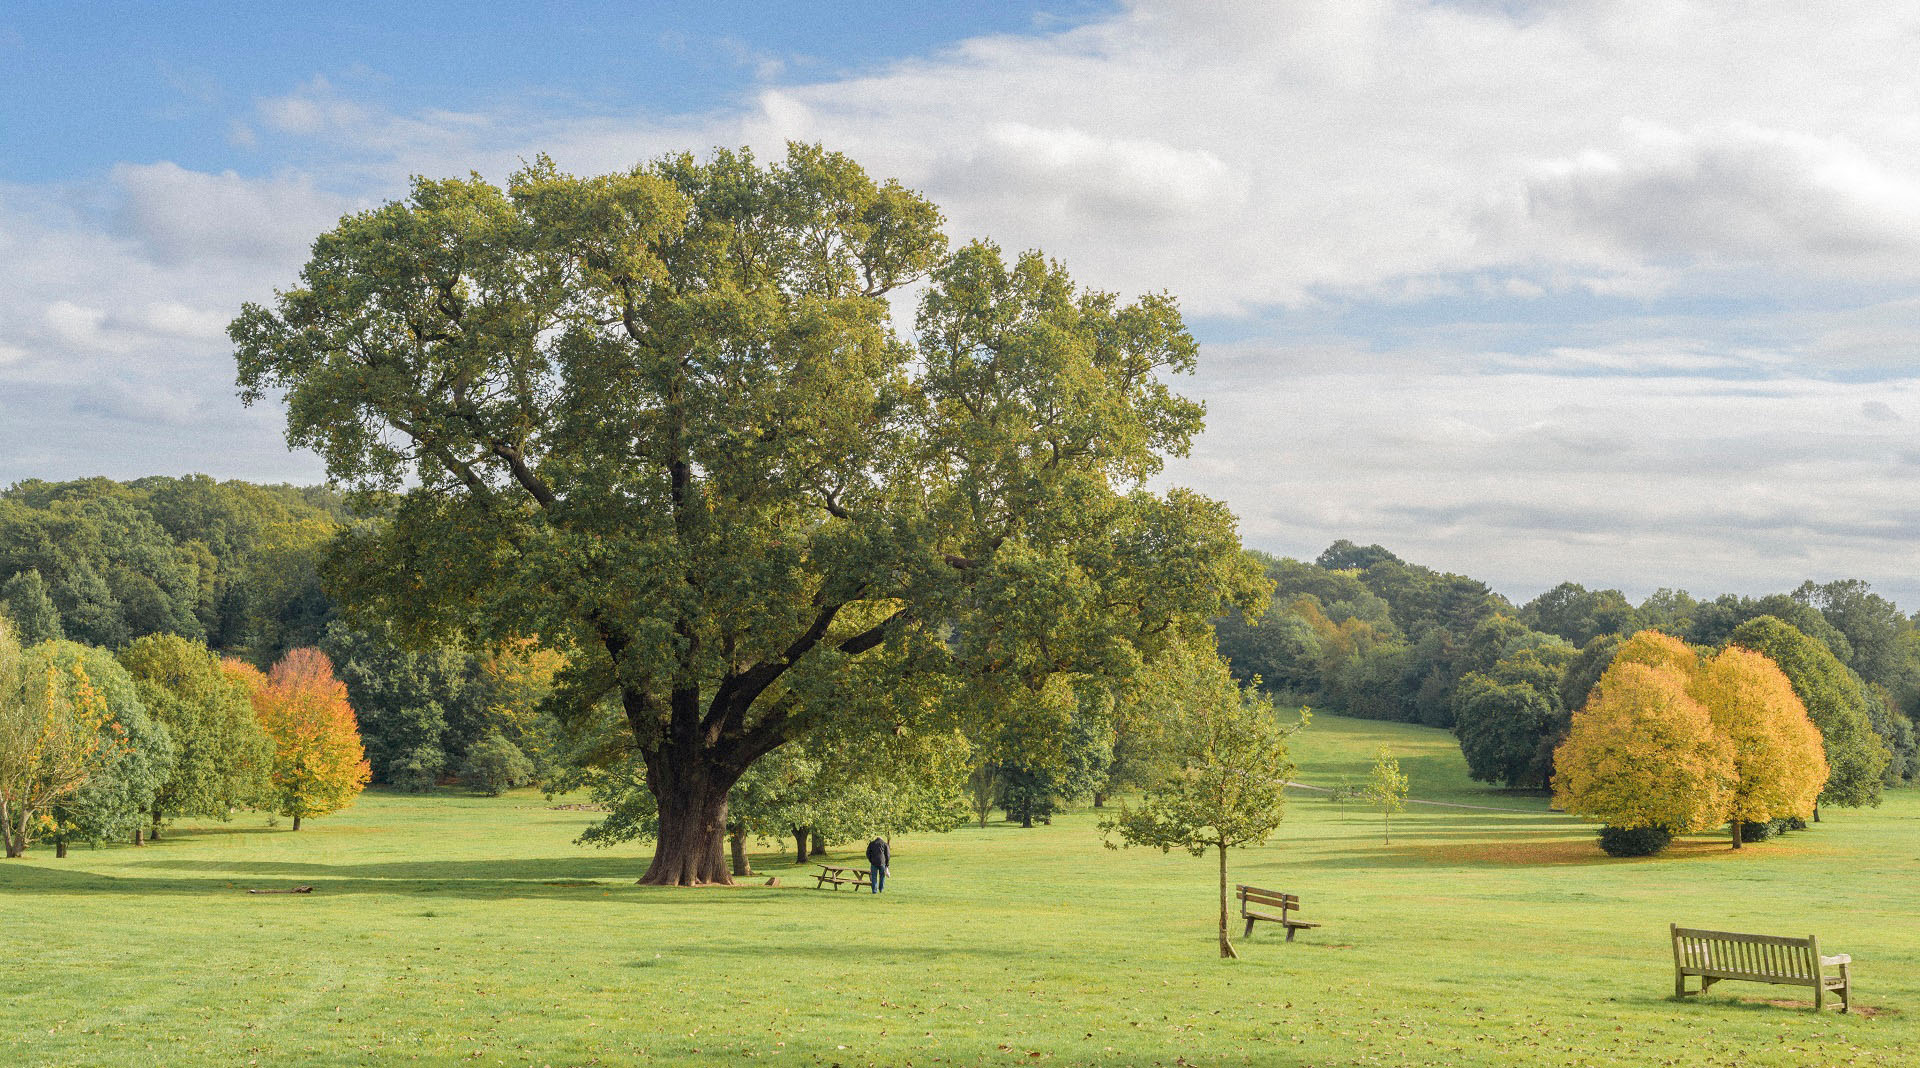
(1621, 292)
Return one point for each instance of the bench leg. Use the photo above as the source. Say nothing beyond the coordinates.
(1249, 931)
(1846, 988)
(1819, 994)
(1290, 932)
(1679, 984)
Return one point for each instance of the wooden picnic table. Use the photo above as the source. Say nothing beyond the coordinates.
(839, 877)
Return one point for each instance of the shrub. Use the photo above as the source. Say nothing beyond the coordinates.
(1761, 831)
(1634, 841)
(418, 771)
(495, 765)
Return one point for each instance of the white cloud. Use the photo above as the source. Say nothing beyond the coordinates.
(1736, 194)
(1620, 291)
(314, 108)
(183, 217)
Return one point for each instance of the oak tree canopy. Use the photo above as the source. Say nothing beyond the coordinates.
(665, 420)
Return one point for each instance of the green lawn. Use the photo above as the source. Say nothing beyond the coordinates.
(456, 929)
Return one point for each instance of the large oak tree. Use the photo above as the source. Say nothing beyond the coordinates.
(664, 420)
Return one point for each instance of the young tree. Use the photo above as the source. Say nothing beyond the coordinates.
(1387, 788)
(138, 752)
(1227, 781)
(1779, 764)
(221, 756)
(1643, 753)
(319, 765)
(1836, 702)
(662, 419)
(56, 732)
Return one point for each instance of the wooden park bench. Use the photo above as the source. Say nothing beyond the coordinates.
(839, 877)
(1253, 900)
(1717, 955)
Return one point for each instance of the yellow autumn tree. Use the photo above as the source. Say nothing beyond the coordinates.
(1656, 650)
(319, 764)
(1644, 754)
(56, 732)
(1780, 763)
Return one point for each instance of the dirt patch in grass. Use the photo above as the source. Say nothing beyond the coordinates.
(1517, 852)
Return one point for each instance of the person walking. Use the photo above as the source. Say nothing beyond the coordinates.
(877, 857)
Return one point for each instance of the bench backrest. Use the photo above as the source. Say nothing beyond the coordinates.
(1253, 895)
(1746, 956)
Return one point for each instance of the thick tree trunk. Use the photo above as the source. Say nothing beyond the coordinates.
(139, 836)
(799, 845)
(1226, 944)
(154, 835)
(1099, 799)
(60, 848)
(1734, 827)
(741, 866)
(296, 823)
(819, 848)
(690, 849)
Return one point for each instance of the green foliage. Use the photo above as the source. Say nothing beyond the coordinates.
(1584, 671)
(222, 758)
(227, 563)
(1509, 718)
(24, 597)
(1226, 774)
(1226, 784)
(663, 420)
(1838, 704)
(1579, 615)
(1386, 789)
(495, 765)
(120, 793)
(1634, 841)
(419, 710)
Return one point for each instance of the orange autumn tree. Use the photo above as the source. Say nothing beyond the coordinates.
(319, 765)
(1780, 762)
(1644, 758)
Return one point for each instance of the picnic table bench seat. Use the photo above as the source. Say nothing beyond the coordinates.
(838, 877)
(1257, 904)
(1717, 955)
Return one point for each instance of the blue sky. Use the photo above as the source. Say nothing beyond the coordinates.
(86, 86)
(1622, 292)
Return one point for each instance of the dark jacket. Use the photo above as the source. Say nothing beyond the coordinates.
(877, 853)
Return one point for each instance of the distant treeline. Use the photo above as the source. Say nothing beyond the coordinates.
(1361, 632)
(237, 567)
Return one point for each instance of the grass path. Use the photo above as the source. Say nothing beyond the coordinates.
(463, 930)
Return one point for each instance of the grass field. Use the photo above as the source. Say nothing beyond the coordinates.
(455, 929)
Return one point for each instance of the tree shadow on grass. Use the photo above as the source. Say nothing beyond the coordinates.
(608, 879)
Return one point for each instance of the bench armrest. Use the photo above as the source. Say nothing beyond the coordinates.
(1828, 962)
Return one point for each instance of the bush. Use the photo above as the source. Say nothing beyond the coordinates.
(495, 765)
(419, 770)
(1634, 841)
(1760, 832)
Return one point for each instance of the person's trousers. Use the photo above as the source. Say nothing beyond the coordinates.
(878, 877)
